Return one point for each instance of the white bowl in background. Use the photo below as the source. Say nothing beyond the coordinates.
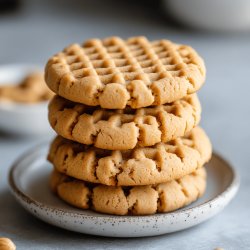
(219, 15)
(18, 118)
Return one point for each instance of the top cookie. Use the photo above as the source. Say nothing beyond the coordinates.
(114, 72)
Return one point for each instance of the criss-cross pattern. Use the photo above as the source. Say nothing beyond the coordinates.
(114, 72)
(123, 129)
(140, 166)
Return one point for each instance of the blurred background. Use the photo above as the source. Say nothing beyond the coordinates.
(32, 31)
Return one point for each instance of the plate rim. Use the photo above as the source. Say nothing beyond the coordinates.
(232, 187)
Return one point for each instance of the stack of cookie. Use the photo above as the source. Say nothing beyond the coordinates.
(126, 115)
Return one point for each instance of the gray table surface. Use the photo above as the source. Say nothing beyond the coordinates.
(38, 30)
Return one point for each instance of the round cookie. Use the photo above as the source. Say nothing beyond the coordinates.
(114, 73)
(141, 166)
(123, 129)
(139, 200)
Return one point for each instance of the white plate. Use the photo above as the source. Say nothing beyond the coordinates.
(29, 183)
(21, 118)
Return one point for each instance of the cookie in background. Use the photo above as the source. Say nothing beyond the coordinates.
(32, 89)
(24, 97)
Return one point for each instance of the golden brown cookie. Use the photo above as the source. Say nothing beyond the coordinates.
(141, 166)
(114, 73)
(138, 200)
(31, 89)
(123, 129)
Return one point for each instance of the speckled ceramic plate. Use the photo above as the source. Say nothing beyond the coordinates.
(29, 182)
